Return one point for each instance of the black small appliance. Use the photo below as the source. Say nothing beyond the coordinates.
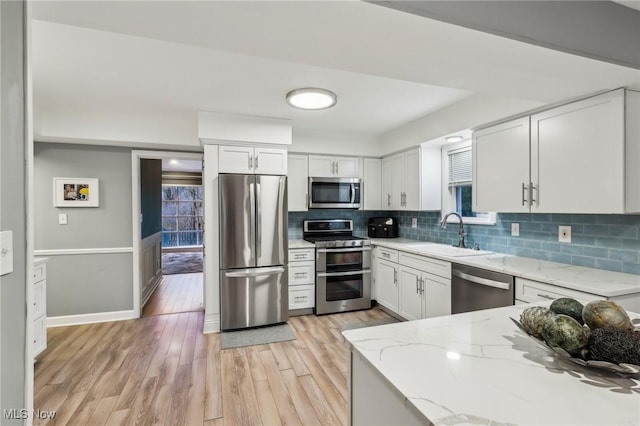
(383, 227)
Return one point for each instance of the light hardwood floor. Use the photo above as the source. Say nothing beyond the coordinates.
(176, 293)
(162, 370)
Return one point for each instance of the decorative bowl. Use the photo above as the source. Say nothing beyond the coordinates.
(625, 369)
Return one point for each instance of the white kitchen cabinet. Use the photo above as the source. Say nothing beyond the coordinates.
(298, 182)
(302, 279)
(252, 160)
(39, 306)
(425, 287)
(412, 180)
(333, 166)
(529, 291)
(385, 271)
(580, 157)
(371, 181)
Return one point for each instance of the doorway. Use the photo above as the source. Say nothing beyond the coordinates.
(170, 252)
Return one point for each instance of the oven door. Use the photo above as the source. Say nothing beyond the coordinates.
(343, 259)
(334, 193)
(343, 291)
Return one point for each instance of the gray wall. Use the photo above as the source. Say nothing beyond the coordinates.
(85, 283)
(12, 207)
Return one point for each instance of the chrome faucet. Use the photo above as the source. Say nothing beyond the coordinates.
(461, 233)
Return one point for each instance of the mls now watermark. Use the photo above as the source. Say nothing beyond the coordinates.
(22, 414)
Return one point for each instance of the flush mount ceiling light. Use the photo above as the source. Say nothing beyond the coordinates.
(311, 98)
(453, 139)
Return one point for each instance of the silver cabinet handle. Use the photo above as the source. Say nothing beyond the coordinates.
(421, 285)
(388, 200)
(256, 157)
(387, 255)
(250, 162)
(395, 276)
(545, 296)
(333, 167)
(532, 188)
(300, 256)
(525, 189)
(417, 287)
(337, 170)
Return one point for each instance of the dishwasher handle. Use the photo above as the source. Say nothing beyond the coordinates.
(480, 280)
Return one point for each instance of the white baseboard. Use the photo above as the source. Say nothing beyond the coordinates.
(66, 320)
(211, 324)
(158, 278)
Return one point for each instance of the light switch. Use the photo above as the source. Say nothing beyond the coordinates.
(62, 219)
(6, 252)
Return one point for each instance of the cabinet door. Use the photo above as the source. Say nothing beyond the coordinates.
(372, 178)
(397, 182)
(387, 172)
(411, 179)
(410, 301)
(298, 183)
(577, 161)
(321, 166)
(387, 284)
(270, 161)
(437, 295)
(501, 167)
(346, 166)
(235, 159)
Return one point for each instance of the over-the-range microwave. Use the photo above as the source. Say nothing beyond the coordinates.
(334, 193)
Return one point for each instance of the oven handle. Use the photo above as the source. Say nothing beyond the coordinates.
(343, 250)
(482, 281)
(341, 274)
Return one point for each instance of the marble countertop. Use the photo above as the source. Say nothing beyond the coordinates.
(589, 280)
(297, 244)
(479, 368)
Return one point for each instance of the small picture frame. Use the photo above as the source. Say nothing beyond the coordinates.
(76, 192)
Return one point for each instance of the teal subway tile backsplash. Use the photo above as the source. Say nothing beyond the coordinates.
(610, 242)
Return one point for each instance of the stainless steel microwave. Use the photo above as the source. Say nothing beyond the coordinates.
(334, 193)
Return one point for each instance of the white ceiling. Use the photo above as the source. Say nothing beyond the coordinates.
(387, 67)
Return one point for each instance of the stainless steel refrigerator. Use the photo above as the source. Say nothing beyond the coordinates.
(253, 251)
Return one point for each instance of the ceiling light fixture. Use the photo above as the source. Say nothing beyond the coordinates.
(311, 98)
(453, 139)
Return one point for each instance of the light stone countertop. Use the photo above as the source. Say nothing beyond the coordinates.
(589, 280)
(479, 368)
(298, 244)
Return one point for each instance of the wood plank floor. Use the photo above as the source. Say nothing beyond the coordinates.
(176, 293)
(161, 370)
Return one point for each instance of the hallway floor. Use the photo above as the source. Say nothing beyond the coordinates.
(176, 293)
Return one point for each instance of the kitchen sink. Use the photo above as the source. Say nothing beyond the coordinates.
(445, 250)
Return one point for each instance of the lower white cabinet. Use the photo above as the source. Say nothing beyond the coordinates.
(39, 306)
(387, 284)
(529, 291)
(302, 278)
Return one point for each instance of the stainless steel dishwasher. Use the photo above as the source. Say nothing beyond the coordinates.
(473, 289)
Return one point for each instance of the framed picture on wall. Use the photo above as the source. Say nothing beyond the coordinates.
(75, 192)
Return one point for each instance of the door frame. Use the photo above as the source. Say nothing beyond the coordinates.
(136, 156)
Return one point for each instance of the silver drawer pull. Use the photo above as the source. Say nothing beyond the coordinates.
(546, 296)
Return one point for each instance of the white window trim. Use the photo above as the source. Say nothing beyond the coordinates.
(448, 199)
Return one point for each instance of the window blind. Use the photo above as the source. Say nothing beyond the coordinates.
(460, 163)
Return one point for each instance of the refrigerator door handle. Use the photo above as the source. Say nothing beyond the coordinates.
(258, 207)
(254, 272)
(252, 214)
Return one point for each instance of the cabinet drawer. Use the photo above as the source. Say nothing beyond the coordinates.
(302, 273)
(39, 272)
(39, 299)
(427, 264)
(388, 254)
(39, 335)
(533, 291)
(302, 255)
(302, 296)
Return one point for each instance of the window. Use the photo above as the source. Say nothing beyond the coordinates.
(181, 216)
(458, 184)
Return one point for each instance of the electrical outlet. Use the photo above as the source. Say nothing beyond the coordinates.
(564, 234)
(515, 229)
(62, 219)
(414, 222)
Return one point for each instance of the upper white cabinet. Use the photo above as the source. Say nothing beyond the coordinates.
(411, 180)
(371, 181)
(252, 160)
(330, 166)
(297, 182)
(581, 157)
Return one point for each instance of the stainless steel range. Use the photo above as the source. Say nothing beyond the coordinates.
(343, 266)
